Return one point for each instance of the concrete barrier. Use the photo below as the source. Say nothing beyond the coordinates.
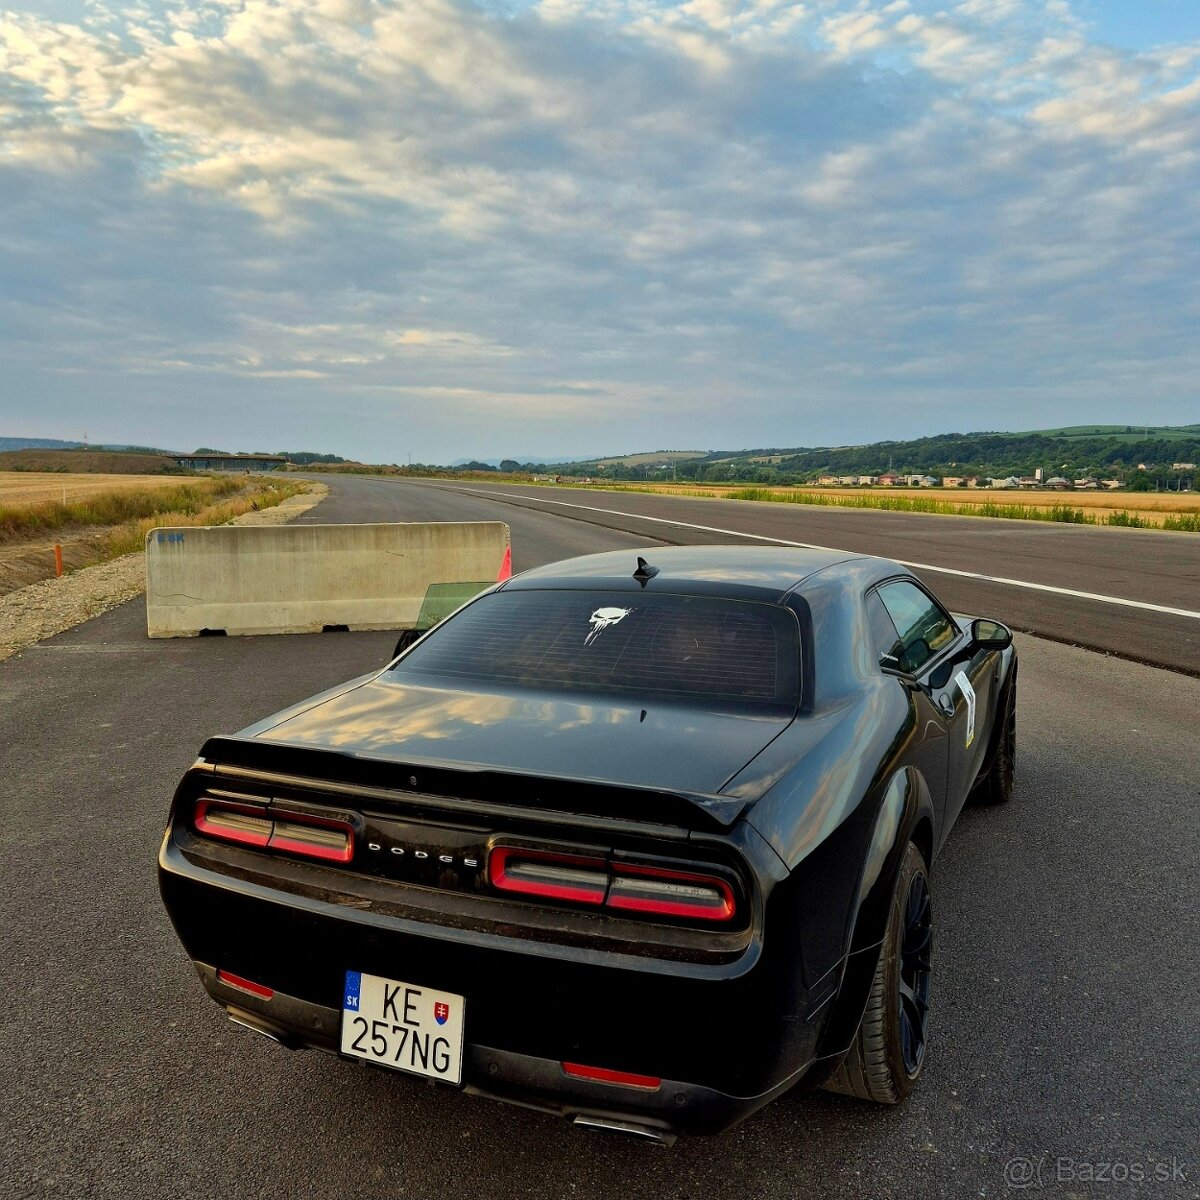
(306, 578)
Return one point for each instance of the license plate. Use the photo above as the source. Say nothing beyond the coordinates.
(403, 1026)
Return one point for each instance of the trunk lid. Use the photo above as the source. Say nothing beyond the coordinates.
(670, 747)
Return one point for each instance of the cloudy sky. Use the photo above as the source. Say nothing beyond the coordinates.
(443, 228)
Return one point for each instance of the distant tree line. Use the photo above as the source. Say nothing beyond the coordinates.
(300, 457)
(304, 457)
(979, 454)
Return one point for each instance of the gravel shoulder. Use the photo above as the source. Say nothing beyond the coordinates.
(41, 610)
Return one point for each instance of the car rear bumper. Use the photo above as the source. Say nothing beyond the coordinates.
(675, 1106)
(723, 1041)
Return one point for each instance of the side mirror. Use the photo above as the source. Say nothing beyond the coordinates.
(991, 634)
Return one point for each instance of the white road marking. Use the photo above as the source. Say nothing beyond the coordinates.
(761, 537)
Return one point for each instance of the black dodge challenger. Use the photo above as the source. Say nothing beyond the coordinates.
(640, 841)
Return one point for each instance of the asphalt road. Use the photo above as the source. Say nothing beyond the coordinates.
(1065, 1043)
(1138, 567)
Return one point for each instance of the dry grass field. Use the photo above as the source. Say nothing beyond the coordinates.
(1179, 510)
(1130, 501)
(21, 488)
(1142, 502)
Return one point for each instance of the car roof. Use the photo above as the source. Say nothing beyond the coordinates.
(741, 572)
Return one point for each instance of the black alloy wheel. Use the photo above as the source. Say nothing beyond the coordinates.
(913, 976)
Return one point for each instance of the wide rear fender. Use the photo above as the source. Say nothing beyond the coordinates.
(905, 814)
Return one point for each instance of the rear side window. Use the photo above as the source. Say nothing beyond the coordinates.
(922, 626)
(689, 648)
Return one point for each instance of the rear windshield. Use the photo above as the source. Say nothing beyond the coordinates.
(689, 648)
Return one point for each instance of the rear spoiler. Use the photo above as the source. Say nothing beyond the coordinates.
(430, 784)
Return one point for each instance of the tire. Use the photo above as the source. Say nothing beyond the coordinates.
(888, 1054)
(996, 787)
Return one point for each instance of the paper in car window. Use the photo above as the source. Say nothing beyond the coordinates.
(964, 685)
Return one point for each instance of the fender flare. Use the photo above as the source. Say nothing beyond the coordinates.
(1007, 688)
(905, 815)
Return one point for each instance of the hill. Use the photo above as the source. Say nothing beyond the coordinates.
(16, 443)
(89, 462)
(651, 457)
(1129, 433)
(1094, 450)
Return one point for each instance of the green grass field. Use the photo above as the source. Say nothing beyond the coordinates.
(639, 460)
(1124, 433)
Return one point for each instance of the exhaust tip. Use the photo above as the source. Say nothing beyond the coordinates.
(246, 1022)
(643, 1133)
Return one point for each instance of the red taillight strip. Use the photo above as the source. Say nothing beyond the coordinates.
(577, 878)
(649, 1083)
(245, 985)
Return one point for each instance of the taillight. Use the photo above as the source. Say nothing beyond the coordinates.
(576, 878)
(597, 882)
(332, 841)
(323, 838)
(670, 893)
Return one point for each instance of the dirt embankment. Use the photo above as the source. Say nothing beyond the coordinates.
(30, 559)
(89, 462)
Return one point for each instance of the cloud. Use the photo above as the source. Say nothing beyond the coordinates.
(740, 222)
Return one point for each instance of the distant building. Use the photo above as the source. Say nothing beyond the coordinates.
(953, 481)
(866, 480)
(1058, 483)
(1183, 466)
(888, 480)
(230, 462)
(928, 481)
